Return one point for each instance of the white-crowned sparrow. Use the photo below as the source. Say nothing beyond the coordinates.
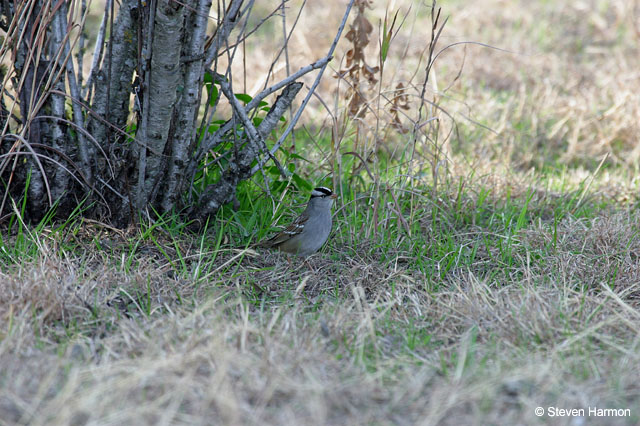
(309, 231)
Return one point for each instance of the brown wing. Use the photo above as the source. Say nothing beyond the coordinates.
(286, 234)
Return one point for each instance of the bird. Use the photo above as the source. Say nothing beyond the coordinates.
(309, 231)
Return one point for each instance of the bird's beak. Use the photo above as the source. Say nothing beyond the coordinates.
(334, 196)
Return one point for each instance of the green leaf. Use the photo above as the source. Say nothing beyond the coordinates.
(278, 186)
(243, 97)
(213, 94)
(301, 183)
(273, 170)
(384, 48)
(131, 129)
(297, 157)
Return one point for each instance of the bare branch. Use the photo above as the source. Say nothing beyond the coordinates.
(97, 51)
(222, 33)
(295, 119)
(223, 191)
(81, 41)
(210, 142)
(59, 25)
(256, 138)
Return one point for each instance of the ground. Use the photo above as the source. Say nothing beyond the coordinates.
(466, 290)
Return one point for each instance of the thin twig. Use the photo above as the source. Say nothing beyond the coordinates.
(222, 33)
(295, 119)
(22, 140)
(246, 122)
(81, 41)
(83, 131)
(210, 142)
(53, 160)
(285, 45)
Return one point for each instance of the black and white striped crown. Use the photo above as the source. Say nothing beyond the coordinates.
(321, 191)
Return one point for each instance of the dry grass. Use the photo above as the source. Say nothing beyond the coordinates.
(567, 92)
(365, 333)
(359, 342)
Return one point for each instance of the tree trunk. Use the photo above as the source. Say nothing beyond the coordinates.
(135, 138)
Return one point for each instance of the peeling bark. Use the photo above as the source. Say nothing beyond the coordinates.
(122, 63)
(187, 109)
(163, 79)
(32, 71)
(60, 181)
